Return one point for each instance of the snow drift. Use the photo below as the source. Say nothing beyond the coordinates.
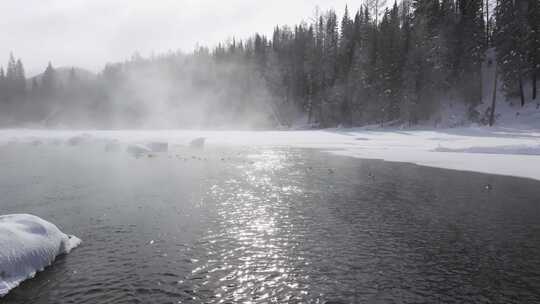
(28, 244)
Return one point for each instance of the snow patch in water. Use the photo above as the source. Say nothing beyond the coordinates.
(28, 244)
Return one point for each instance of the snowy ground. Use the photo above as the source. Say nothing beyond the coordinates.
(505, 151)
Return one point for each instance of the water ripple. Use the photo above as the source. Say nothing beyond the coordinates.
(277, 226)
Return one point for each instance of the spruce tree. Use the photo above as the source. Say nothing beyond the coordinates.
(20, 79)
(510, 40)
(347, 47)
(49, 82)
(11, 78)
(533, 45)
(2, 85)
(471, 46)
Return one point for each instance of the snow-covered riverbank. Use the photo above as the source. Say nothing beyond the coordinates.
(505, 151)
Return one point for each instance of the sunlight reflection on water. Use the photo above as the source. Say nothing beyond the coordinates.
(262, 271)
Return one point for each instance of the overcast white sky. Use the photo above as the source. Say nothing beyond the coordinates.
(89, 33)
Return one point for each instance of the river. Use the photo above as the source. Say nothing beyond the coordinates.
(265, 225)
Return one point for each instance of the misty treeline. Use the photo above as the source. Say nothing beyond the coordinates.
(380, 64)
(172, 90)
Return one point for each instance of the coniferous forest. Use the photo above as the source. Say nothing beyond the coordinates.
(383, 63)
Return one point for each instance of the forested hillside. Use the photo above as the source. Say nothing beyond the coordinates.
(379, 64)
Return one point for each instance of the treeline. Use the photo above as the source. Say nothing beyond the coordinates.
(12, 81)
(397, 64)
(517, 41)
(168, 91)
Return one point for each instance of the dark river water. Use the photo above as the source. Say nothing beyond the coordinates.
(273, 226)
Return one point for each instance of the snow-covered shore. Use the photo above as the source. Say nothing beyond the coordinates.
(28, 244)
(500, 150)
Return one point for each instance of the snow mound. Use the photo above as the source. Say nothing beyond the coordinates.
(138, 150)
(28, 244)
(158, 147)
(197, 143)
(513, 115)
(112, 146)
(79, 139)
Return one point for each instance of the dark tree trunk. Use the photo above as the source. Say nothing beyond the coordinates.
(321, 116)
(310, 110)
(521, 92)
(534, 89)
(346, 110)
(488, 25)
(322, 101)
(310, 99)
(494, 101)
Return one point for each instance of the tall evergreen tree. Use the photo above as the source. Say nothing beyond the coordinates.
(49, 81)
(533, 18)
(20, 79)
(390, 63)
(347, 46)
(471, 46)
(2, 85)
(510, 40)
(11, 78)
